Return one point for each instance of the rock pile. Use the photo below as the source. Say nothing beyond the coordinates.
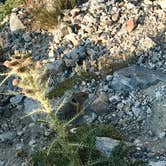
(98, 37)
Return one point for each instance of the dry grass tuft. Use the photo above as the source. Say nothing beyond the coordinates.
(47, 13)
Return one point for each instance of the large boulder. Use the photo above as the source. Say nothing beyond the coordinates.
(133, 77)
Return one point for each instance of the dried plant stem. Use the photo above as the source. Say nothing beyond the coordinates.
(4, 79)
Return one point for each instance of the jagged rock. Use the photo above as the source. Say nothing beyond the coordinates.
(8, 136)
(16, 99)
(74, 56)
(26, 36)
(100, 104)
(106, 145)
(15, 23)
(56, 66)
(157, 122)
(88, 118)
(134, 77)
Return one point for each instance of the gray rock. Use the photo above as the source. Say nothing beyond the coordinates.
(109, 77)
(137, 111)
(26, 36)
(75, 55)
(2, 110)
(88, 118)
(106, 145)
(156, 121)
(15, 23)
(69, 62)
(134, 77)
(30, 106)
(162, 135)
(56, 66)
(2, 163)
(7, 136)
(16, 99)
(157, 163)
(100, 104)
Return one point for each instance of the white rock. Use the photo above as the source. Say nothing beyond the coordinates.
(109, 77)
(106, 145)
(72, 38)
(146, 43)
(74, 12)
(162, 3)
(157, 163)
(161, 135)
(32, 142)
(15, 23)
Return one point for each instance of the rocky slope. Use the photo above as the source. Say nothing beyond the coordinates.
(122, 44)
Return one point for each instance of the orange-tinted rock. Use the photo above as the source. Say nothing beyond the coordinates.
(131, 24)
(15, 82)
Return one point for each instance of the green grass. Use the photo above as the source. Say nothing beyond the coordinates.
(6, 8)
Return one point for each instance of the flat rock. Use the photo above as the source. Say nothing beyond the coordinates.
(157, 123)
(106, 145)
(16, 99)
(15, 23)
(100, 104)
(56, 66)
(133, 77)
(7, 136)
(157, 163)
